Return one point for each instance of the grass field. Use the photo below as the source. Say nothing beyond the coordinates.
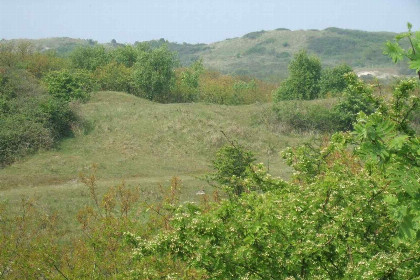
(144, 144)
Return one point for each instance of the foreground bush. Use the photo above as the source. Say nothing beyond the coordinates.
(350, 212)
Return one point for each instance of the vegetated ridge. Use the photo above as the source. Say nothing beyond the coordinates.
(266, 54)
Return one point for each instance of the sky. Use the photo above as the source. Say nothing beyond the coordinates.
(199, 21)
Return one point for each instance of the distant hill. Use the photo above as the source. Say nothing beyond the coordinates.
(266, 54)
(61, 45)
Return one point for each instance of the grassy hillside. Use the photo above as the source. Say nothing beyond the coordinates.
(145, 144)
(266, 54)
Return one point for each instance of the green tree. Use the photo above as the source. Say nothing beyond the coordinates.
(303, 81)
(154, 73)
(397, 52)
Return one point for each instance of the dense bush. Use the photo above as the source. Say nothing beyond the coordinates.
(303, 81)
(30, 119)
(70, 84)
(89, 58)
(306, 116)
(115, 76)
(20, 136)
(333, 81)
(329, 115)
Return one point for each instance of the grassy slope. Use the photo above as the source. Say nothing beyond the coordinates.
(143, 143)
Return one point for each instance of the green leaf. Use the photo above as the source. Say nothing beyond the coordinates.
(393, 50)
(415, 64)
(398, 142)
(402, 35)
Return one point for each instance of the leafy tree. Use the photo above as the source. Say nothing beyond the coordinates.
(303, 82)
(397, 52)
(333, 81)
(154, 73)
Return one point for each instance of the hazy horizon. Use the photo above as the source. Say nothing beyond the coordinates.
(195, 22)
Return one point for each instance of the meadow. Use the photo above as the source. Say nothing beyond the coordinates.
(144, 144)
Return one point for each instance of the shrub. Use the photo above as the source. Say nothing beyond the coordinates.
(70, 84)
(231, 163)
(230, 90)
(39, 64)
(30, 119)
(58, 116)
